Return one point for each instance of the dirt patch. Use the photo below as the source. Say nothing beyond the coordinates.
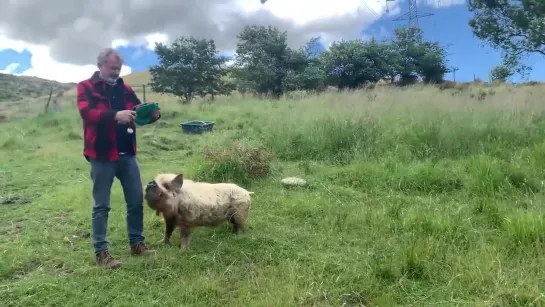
(70, 240)
(62, 268)
(10, 231)
(3, 117)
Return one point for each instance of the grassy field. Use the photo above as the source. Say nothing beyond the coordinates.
(417, 197)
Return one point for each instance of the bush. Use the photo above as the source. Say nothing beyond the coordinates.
(240, 163)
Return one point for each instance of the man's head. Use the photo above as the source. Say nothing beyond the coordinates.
(109, 62)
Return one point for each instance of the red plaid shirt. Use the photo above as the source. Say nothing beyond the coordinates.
(99, 137)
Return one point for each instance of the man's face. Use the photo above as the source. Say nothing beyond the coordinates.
(111, 69)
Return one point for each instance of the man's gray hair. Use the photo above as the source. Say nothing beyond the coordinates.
(107, 53)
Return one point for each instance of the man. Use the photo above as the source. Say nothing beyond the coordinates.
(106, 105)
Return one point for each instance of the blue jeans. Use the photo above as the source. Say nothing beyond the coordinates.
(127, 170)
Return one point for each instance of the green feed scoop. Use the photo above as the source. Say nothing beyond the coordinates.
(144, 114)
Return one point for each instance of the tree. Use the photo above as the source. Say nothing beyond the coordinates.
(516, 27)
(418, 58)
(266, 65)
(261, 59)
(189, 67)
(393, 63)
(304, 69)
(432, 65)
(351, 64)
(500, 73)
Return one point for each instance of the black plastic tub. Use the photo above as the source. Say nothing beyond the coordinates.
(197, 126)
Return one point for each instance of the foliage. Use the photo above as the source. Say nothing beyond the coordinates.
(415, 57)
(513, 26)
(265, 64)
(500, 73)
(260, 58)
(350, 64)
(240, 162)
(305, 70)
(189, 67)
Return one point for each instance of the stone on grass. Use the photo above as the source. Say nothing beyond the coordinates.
(293, 182)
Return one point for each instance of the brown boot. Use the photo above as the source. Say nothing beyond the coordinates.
(105, 259)
(140, 249)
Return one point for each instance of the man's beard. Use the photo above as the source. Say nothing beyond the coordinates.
(109, 80)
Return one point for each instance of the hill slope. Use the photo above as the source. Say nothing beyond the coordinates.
(15, 88)
(137, 79)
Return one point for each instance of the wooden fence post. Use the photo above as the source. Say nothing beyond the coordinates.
(48, 100)
(144, 91)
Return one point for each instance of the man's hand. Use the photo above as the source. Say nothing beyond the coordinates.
(125, 116)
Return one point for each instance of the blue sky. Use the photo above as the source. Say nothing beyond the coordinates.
(10, 56)
(469, 54)
(449, 26)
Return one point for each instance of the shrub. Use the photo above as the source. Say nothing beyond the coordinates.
(240, 163)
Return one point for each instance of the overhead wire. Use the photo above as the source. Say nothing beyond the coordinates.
(371, 9)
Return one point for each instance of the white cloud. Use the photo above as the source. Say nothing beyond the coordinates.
(306, 11)
(147, 40)
(330, 19)
(43, 66)
(151, 39)
(10, 69)
(443, 3)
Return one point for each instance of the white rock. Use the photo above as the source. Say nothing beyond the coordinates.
(294, 182)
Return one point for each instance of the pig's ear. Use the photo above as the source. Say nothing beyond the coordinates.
(177, 183)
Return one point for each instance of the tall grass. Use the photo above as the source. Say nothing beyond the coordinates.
(419, 197)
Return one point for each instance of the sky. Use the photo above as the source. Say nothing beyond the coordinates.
(59, 40)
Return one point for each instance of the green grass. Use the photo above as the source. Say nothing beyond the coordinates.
(417, 197)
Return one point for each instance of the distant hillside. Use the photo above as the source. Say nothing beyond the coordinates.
(137, 79)
(14, 88)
